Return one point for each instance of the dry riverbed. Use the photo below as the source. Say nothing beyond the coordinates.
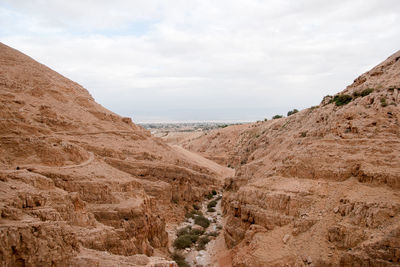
(197, 239)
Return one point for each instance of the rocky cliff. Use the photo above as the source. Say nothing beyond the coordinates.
(79, 184)
(320, 187)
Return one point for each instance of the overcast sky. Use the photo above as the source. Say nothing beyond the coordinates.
(220, 60)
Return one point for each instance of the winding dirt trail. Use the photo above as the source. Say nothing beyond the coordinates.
(82, 164)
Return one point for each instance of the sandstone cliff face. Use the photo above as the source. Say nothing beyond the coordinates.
(320, 187)
(79, 184)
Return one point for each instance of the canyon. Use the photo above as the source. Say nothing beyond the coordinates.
(319, 187)
(81, 185)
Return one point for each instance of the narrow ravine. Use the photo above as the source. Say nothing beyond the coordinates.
(196, 239)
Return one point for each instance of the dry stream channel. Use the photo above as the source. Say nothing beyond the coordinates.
(197, 238)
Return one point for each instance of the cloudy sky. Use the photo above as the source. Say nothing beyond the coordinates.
(196, 60)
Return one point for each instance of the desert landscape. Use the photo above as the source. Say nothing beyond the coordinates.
(81, 185)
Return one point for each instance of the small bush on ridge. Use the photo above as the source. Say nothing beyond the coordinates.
(292, 112)
(277, 117)
(366, 92)
(341, 100)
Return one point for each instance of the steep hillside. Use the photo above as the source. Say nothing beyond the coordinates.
(79, 184)
(220, 145)
(320, 187)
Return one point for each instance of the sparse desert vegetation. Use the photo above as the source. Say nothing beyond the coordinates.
(277, 117)
(81, 185)
(291, 112)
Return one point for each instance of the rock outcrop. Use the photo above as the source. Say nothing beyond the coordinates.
(320, 187)
(80, 184)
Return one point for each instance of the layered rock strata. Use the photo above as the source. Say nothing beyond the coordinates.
(319, 187)
(80, 184)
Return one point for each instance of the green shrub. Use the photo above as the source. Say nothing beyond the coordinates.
(193, 214)
(211, 210)
(193, 238)
(303, 134)
(197, 232)
(202, 221)
(198, 212)
(180, 260)
(212, 204)
(277, 117)
(219, 227)
(184, 241)
(366, 92)
(195, 207)
(184, 231)
(201, 244)
(363, 93)
(209, 195)
(341, 100)
(292, 112)
(189, 231)
(214, 192)
(189, 215)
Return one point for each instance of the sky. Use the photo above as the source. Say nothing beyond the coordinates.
(203, 60)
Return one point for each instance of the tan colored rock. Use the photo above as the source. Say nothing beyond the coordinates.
(285, 238)
(336, 209)
(83, 185)
(329, 175)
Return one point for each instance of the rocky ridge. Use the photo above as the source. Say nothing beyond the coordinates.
(79, 184)
(319, 187)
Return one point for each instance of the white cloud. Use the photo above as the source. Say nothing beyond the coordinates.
(218, 59)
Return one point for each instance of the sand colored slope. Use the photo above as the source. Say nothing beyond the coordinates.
(79, 184)
(223, 172)
(320, 187)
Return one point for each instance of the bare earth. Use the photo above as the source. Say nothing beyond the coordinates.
(320, 187)
(223, 172)
(80, 185)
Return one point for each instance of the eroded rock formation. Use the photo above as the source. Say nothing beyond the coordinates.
(320, 187)
(79, 184)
